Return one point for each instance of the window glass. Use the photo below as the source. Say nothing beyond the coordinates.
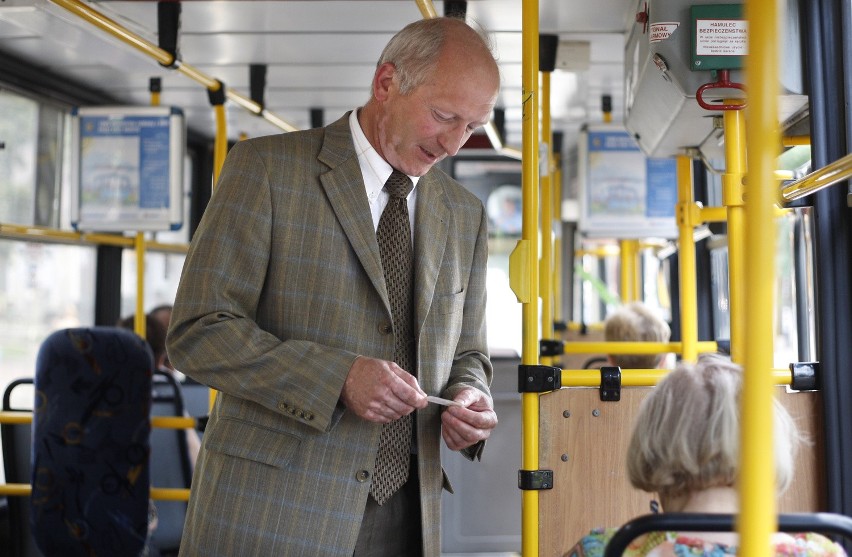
(720, 289)
(785, 309)
(596, 275)
(785, 314)
(34, 302)
(497, 183)
(162, 274)
(19, 133)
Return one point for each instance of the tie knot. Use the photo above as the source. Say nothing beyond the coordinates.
(398, 185)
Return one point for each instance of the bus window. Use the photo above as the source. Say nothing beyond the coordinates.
(792, 305)
(162, 273)
(30, 160)
(33, 303)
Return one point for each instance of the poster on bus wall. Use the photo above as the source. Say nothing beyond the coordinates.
(623, 193)
(127, 169)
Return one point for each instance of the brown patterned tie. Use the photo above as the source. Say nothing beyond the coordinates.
(394, 237)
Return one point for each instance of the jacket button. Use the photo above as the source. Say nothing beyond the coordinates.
(362, 476)
(283, 406)
(385, 328)
(309, 416)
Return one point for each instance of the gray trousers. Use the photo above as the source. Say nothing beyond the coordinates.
(393, 529)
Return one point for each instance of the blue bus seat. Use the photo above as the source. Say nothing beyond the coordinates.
(91, 441)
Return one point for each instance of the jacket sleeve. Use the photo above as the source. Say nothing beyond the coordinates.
(214, 336)
(471, 365)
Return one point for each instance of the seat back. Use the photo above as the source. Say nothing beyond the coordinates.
(822, 523)
(16, 440)
(171, 465)
(91, 432)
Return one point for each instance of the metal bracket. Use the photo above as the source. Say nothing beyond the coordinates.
(560, 326)
(535, 479)
(538, 379)
(610, 383)
(805, 376)
(551, 347)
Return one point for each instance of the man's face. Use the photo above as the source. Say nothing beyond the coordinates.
(435, 119)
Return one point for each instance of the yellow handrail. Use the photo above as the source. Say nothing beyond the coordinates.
(686, 260)
(101, 21)
(623, 347)
(828, 175)
(574, 326)
(529, 235)
(732, 183)
(546, 180)
(644, 377)
(427, 9)
(162, 422)
(45, 234)
(160, 493)
(758, 513)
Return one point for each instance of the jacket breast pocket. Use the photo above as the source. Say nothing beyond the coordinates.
(448, 303)
(244, 439)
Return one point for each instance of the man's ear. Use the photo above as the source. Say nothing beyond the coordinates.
(383, 81)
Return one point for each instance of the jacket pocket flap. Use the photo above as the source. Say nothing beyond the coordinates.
(247, 440)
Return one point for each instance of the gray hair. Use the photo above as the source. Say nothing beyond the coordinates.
(635, 322)
(414, 50)
(686, 436)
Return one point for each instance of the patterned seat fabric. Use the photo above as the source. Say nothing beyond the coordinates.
(91, 432)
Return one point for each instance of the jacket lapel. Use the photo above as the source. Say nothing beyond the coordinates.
(430, 239)
(345, 189)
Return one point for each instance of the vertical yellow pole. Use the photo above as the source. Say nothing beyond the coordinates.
(529, 234)
(758, 518)
(629, 270)
(139, 316)
(557, 241)
(686, 261)
(220, 151)
(139, 246)
(732, 197)
(546, 273)
(220, 147)
(638, 279)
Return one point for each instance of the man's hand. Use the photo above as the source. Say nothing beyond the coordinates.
(381, 391)
(470, 423)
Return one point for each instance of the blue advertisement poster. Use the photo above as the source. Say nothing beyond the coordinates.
(624, 191)
(129, 170)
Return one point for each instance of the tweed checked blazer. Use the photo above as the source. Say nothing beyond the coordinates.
(281, 290)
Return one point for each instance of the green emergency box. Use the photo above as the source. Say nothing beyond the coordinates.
(719, 37)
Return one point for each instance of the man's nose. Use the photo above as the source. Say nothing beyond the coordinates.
(452, 139)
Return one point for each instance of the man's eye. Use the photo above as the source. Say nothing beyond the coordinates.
(441, 117)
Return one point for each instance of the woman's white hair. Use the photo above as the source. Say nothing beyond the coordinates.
(686, 436)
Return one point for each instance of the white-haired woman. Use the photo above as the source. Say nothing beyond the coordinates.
(685, 449)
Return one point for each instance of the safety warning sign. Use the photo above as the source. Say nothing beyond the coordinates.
(721, 37)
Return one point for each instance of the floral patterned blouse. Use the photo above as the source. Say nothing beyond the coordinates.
(672, 544)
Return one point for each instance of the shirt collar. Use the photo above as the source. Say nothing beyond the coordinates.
(380, 168)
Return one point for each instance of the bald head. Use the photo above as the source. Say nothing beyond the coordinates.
(418, 48)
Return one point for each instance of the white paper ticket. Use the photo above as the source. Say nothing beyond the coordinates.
(442, 401)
